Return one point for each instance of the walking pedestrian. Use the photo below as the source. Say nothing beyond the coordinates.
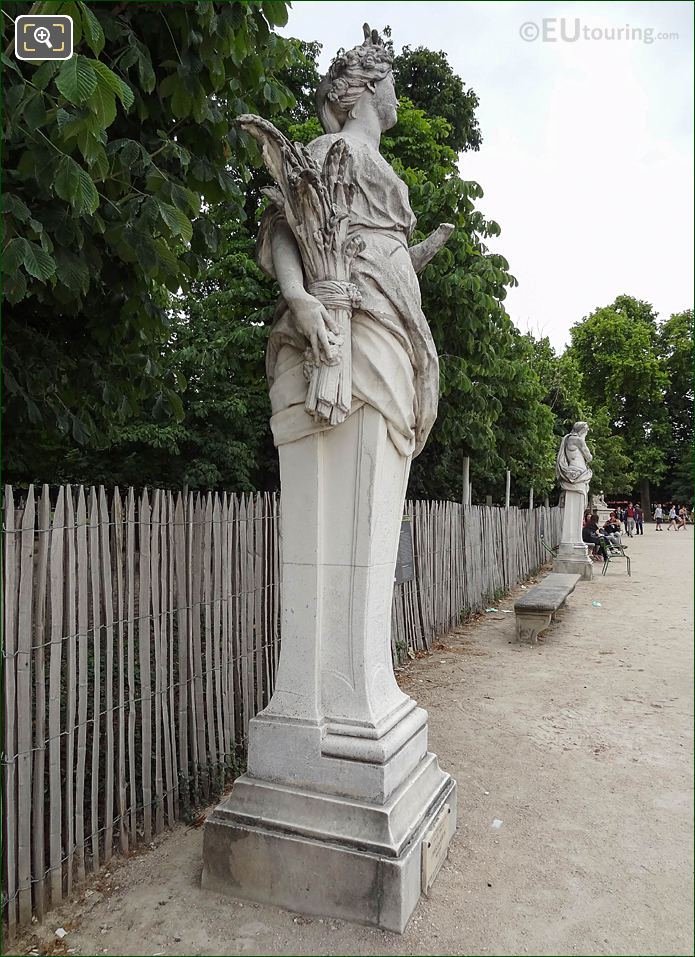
(672, 519)
(659, 518)
(630, 520)
(639, 519)
(683, 517)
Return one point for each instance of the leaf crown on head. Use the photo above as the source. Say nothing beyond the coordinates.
(350, 74)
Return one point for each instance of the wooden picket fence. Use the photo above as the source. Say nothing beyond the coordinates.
(141, 633)
(465, 556)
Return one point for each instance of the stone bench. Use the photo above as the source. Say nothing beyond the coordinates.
(534, 610)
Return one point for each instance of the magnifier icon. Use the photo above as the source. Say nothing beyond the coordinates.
(43, 35)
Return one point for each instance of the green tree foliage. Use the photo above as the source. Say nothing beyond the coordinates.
(490, 398)
(462, 293)
(525, 438)
(112, 159)
(216, 344)
(300, 76)
(676, 349)
(487, 376)
(141, 337)
(561, 382)
(675, 344)
(563, 394)
(427, 79)
(678, 485)
(612, 465)
(616, 347)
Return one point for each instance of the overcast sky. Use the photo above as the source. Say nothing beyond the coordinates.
(586, 162)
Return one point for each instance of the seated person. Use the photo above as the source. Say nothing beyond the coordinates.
(591, 536)
(611, 529)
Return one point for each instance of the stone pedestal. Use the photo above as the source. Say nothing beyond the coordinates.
(340, 790)
(327, 854)
(573, 555)
(575, 563)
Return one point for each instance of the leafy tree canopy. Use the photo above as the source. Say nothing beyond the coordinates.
(112, 159)
(675, 344)
(676, 349)
(232, 293)
(616, 347)
(613, 463)
(561, 381)
(137, 326)
(427, 79)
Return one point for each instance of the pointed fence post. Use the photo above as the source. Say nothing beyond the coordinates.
(466, 484)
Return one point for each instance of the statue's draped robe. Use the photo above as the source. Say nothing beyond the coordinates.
(394, 362)
(571, 467)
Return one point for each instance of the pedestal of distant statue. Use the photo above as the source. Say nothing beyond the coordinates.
(343, 811)
(600, 507)
(574, 474)
(573, 555)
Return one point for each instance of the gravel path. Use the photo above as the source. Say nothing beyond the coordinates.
(581, 747)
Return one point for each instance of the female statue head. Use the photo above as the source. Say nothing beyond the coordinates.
(580, 428)
(363, 71)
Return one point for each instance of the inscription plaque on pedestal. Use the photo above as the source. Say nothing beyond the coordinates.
(405, 561)
(435, 847)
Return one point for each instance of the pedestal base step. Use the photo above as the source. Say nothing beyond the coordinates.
(323, 878)
(583, 567)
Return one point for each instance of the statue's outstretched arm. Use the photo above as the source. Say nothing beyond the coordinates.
(423, 252)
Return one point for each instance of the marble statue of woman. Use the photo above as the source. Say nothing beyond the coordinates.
(343, 487)
(395, 366)
(573, 473)
(340, 788)
(572, 464)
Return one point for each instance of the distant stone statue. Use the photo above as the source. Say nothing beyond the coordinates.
(341, 792)
(572, 463)
(600, 507)
(573, 473)
(598, 502)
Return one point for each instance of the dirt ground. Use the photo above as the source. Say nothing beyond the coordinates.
(580, 746)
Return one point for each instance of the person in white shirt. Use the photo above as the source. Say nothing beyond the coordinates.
(672, 518)
(659, 518)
